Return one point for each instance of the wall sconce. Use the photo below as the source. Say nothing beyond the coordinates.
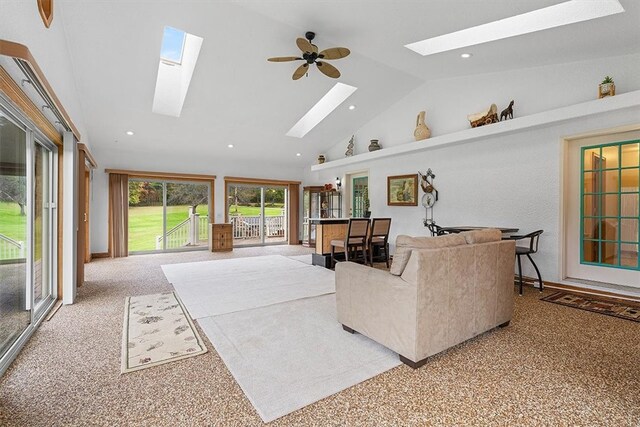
(338, 183)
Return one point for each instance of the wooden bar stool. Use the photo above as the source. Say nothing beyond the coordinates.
(356, 238)
(379, 238)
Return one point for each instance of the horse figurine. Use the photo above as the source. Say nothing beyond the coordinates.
(507, 113)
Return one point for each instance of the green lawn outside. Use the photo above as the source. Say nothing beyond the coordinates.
(145, 224)
(12, 224)
(254, 210)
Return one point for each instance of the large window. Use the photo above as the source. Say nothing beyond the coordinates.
(166, 215)
(610, 205)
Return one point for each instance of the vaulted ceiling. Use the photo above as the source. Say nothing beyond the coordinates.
(237, 97)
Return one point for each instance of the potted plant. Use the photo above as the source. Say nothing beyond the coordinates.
(365, 202)
(606, 88)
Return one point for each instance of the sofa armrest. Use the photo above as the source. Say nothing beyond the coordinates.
(377, 304)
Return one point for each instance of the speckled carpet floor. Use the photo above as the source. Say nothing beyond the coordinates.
(553, 365)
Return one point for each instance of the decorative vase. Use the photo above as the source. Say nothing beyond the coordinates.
(374, 146)
(606, 89)
(422, 131)
(321, 159)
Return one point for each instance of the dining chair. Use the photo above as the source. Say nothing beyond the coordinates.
(379, 238)
(435, 230)
(532, 248)
(356, 238)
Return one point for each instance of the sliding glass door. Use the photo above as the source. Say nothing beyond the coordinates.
(167, 215)
(41, 226)
(27, 232)
(258, 214)
(15, 306)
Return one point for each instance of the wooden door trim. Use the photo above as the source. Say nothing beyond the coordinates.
(241, 180)
(89, 157)
(163, 175)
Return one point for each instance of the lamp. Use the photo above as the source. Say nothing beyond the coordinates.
(338, 183)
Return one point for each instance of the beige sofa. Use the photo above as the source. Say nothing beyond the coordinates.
(440, 292)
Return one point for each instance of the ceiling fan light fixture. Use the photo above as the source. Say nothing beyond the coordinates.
(311, 56)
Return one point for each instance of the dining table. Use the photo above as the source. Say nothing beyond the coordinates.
(506, 231)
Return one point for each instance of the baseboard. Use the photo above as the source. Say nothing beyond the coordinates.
(529, 281)
(100, 255)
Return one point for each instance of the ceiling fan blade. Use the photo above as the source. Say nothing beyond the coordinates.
(334, 53)
(328, 69)
(304, 45)
(283, 58)
(300, 71)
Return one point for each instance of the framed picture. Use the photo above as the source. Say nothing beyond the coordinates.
(402, 190)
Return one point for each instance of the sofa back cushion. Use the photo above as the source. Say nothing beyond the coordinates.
(405, 244)
(482, 236)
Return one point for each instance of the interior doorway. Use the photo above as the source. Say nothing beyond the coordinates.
(358, 204)
(602, 208)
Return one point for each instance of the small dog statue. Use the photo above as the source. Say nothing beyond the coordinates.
(507, 113)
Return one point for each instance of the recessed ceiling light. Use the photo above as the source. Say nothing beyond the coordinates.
(568, 12)
(336, 96)
(230, 145)
(352, 107)
(298, 154)
(129, 132)
(466, 55)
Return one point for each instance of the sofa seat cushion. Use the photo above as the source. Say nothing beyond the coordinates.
(486, 235)
(405, 244)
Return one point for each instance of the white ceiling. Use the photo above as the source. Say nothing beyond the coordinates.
(237, 97)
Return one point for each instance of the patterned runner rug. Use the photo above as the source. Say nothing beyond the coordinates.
(156, 330)
(610, 306)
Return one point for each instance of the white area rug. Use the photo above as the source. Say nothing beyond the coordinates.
(307, 259)
(157, 330)
(224, 286)
(273, 321)
(289, 355)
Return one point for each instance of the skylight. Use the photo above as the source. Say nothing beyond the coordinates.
(569, 12)
(329, 102)
(172, 45)
(178, 57)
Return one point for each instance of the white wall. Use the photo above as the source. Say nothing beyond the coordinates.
(449, 101)
(512, 180)
(178, 162)
(20, 22)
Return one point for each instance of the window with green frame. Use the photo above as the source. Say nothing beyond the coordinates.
(610, 205)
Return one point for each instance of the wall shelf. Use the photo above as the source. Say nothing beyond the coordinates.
(550, 117)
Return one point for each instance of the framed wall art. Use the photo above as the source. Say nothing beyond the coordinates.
(402, 190)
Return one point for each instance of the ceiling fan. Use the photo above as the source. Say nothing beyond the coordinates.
(311, 56)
